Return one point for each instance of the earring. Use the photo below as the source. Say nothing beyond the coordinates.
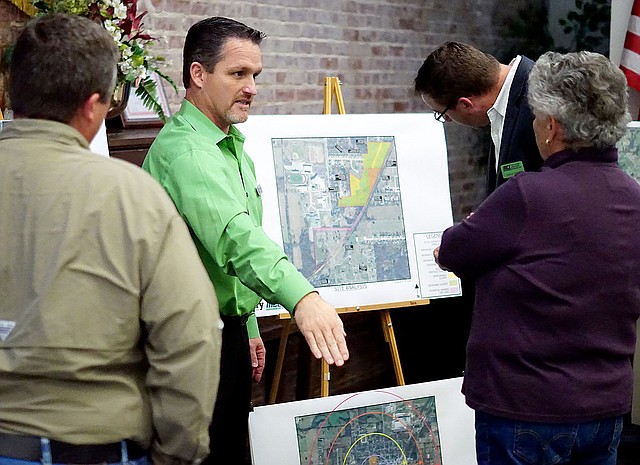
(548, 141)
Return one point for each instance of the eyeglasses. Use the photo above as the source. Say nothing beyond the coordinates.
(440, 116)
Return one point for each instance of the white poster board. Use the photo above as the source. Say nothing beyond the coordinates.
(358, 202)
(99, 144)
(426, 423)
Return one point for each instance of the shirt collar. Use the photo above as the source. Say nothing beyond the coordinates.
(201, 124)
(43, 129)
(608, 155)
(500, 105)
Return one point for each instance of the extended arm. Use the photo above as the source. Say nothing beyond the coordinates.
(218, 207)
(486, 238)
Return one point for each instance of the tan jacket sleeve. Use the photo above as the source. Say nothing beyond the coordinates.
(180, 315)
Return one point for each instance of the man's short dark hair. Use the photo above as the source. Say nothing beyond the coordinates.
(205, 41)
(59, 61)
(455, 70)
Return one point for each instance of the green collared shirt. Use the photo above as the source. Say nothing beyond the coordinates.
(212, 181)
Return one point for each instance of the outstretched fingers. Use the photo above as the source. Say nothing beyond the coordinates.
(329, 344)
(323, 329)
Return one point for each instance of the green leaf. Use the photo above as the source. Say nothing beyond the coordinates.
(42, 6)
(168, 79)
(148, 94)
(5, 58)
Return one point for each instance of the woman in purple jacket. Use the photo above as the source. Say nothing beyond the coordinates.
(556, 258)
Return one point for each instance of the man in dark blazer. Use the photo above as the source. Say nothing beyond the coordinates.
(462, 84)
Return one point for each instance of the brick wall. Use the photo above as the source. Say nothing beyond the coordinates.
(374, 46)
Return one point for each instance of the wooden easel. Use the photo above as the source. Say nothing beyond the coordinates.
(387, 330)
(331, 90)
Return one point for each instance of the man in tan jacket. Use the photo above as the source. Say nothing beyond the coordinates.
(109, 325)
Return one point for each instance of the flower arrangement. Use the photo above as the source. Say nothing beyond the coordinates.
(121, 19)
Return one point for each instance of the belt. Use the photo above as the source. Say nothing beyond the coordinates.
(235, 321)
(29, 448)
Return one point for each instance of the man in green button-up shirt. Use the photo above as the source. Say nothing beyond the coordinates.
(199, 159)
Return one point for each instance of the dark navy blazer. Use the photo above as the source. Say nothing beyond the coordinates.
(518, 142)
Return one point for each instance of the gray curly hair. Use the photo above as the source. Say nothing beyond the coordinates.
(585, 93)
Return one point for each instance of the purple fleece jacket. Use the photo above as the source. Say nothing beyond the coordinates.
(556, 258)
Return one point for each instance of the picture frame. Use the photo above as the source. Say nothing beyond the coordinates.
(136, 115)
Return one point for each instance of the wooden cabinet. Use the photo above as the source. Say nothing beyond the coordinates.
(131, 144)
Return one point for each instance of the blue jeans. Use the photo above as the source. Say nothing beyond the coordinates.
(46, 458)
(500, 441)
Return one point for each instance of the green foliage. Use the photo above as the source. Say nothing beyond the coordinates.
(148, 95)
(147, 91)
(43, 6)
(124, 24)
(167, 79)
(531, 30)
(5, 58)
(586, 27)
(74, 7)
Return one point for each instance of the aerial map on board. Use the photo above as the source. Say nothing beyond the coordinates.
(395, 433)
(340, 209)
(629, 152)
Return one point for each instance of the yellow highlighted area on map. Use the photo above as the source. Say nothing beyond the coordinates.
(361, 188)
(364, 436)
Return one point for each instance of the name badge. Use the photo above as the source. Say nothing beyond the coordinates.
(259, 189)
(511, 169)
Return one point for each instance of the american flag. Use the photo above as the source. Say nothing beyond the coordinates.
(630, 60)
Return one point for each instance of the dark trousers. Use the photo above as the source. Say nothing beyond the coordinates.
(229, 428)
